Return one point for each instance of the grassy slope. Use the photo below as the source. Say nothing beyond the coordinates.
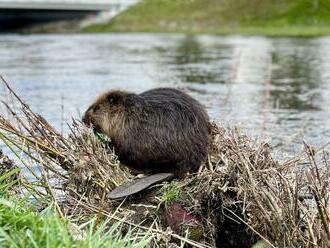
(22, 226)
(269, 17)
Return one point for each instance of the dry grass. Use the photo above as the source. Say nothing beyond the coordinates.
(239, 196)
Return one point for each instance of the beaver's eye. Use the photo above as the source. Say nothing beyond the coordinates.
(112, 99)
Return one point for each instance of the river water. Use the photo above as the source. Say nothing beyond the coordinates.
(274, 89)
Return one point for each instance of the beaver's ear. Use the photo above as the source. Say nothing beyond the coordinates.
(114, 97)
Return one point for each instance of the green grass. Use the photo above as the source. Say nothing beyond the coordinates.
(264, 17)
(21, 226)
(171, 193)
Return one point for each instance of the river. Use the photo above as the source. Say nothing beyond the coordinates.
(275, 89)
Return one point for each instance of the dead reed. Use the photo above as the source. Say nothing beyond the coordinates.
(239, 196)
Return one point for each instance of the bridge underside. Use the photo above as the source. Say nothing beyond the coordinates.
(19, 18)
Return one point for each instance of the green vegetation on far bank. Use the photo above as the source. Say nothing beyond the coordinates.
(260, 17)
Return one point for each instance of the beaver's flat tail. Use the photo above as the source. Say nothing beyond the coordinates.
(138, 185)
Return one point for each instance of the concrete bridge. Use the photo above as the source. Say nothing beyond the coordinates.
(15, 13)
(83, 5)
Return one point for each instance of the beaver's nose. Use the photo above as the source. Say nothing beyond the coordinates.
(86, 119)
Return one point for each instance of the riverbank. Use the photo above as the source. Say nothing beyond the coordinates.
(23, 225)
(30, 218)
(272, 18)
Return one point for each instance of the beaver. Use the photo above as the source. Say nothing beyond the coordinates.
(161, 130)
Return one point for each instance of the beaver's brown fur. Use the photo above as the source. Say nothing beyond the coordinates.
(160, 130)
